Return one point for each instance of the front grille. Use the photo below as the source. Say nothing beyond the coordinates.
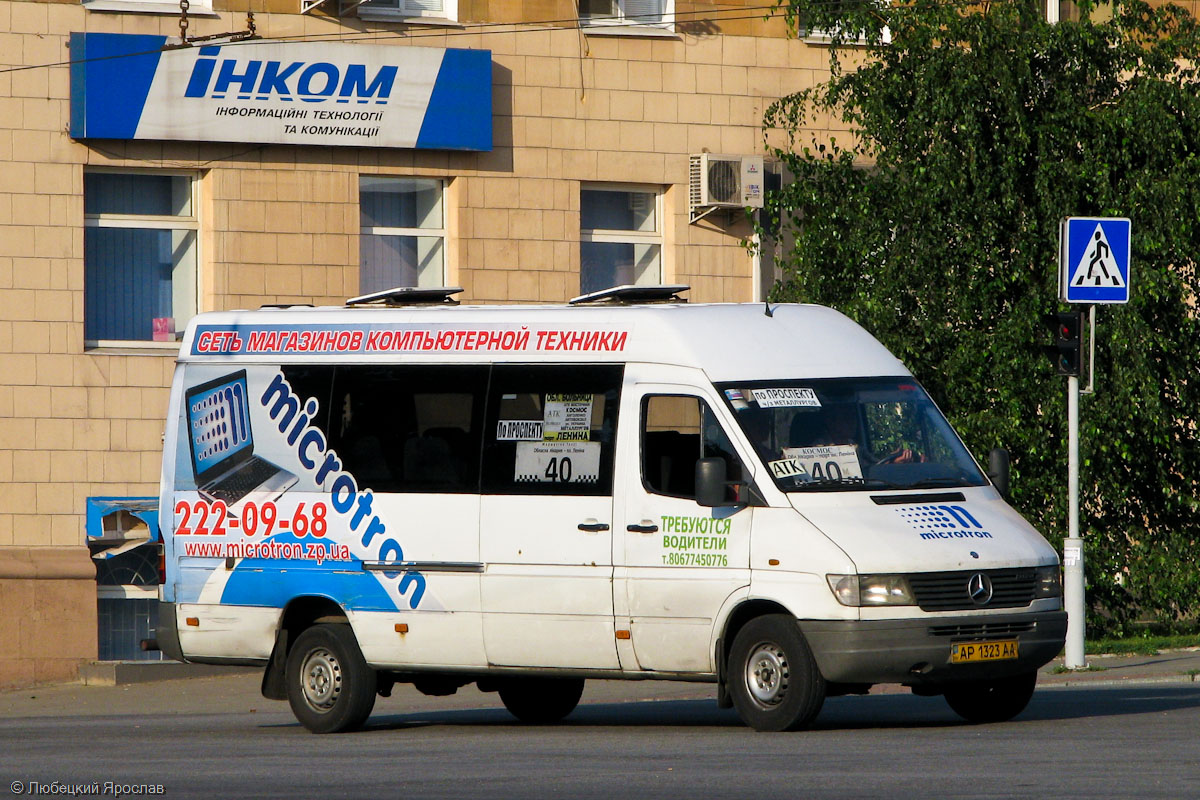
(949, 591)
(986, 630)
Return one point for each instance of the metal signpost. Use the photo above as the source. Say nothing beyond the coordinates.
(1094, 269)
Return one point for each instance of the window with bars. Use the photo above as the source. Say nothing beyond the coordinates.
(403, 233)
(620, 236)
(139, 256)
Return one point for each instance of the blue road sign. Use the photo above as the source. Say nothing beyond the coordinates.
(1094, 260)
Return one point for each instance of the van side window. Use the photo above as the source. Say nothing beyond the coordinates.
(551, 429)
(676, 432)
(409, 428)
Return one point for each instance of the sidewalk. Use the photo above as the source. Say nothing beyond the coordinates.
(1168, 666)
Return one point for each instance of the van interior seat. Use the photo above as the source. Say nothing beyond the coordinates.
(429, 459)
(669, 461)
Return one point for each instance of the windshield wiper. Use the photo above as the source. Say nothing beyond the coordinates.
(858, 483)
(933, 483)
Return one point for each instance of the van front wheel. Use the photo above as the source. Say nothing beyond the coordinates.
(541, 700)
(773, 678)
(996, 700)
(329, 685)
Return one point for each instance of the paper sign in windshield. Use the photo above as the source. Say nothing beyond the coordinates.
(786, 398)
(519, 430)
(567, 418)
(789, 468)
(835, 462)
(737, 399)
(557, 462)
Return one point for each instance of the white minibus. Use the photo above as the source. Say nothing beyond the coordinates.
(627, 486)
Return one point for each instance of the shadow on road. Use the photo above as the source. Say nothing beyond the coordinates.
(882, 712)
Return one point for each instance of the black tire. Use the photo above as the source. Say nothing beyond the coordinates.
(539, 701)
(997, 700)
(329, 685)
(772, 676)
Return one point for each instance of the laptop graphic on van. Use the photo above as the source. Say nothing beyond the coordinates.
(222, 444)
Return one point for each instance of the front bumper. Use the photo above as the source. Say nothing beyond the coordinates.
(917, 651)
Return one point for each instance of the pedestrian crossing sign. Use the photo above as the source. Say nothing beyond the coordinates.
(1094, 260)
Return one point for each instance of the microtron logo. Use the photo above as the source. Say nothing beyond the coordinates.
(943, 522)
(315, 82)
(979, 588)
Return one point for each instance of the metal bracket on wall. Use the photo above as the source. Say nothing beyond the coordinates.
(251, 31)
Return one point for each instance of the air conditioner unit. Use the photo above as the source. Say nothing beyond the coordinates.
(726, 181)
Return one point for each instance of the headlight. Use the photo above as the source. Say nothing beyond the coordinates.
(1048, 582)
(871, 590)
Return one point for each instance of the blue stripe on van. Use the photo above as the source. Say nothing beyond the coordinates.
(272, 582)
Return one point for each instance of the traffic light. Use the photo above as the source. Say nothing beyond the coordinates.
(1067, 350)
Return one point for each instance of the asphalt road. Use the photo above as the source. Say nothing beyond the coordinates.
(216, 738)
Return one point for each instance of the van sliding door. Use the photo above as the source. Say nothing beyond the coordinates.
(411, 435)
(546, 516)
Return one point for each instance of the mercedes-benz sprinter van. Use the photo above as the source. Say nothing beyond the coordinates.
(757, 496)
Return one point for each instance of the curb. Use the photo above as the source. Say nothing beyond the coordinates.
(121, 673)
(1110, 682)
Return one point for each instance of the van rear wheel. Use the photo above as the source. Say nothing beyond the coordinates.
(329, 685)
(539, 701)
(997, 700)
(772, 676)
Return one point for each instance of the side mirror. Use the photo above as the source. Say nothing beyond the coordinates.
(711, 483)
(998, 470)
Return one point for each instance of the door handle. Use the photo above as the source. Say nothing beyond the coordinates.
(646, 526)
(593, 526)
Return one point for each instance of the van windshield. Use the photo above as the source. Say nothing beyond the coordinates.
(850, 433)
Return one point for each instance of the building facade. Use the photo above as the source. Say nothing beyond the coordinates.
(527, 151)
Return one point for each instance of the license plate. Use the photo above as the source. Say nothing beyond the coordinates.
(968, 652)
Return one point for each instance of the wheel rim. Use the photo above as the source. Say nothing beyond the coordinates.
(321, 680)
(767, 675)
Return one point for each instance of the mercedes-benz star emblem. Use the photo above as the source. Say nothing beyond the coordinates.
(980, 589)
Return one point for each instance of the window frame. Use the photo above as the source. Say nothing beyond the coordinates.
(417, 379)
(744, 473)
(388, 230)
(190, 222)
(624, 235)
(448, 14)
(620, 24)
(494, 459)
(825, 36)
(198, 8)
